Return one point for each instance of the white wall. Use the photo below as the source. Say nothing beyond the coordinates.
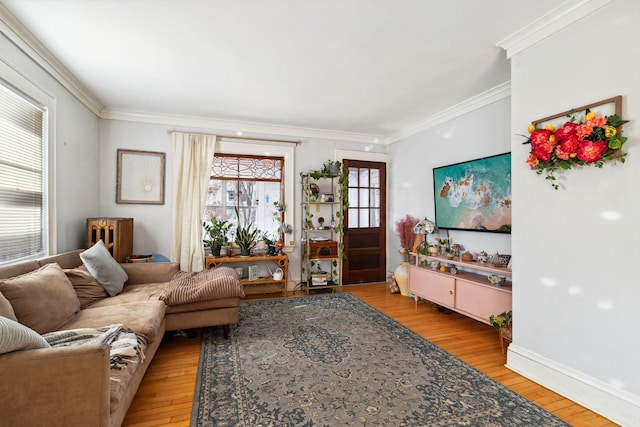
(152, 223)
(76, 153)
(480, 133)
(576, 291)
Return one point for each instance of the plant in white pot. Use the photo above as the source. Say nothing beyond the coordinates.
(216, 234)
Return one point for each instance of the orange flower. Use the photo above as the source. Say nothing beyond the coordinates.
(585, 130)
(599, 121)
(532, 161)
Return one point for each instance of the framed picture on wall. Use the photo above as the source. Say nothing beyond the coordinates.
(474, 195)
(140, 177)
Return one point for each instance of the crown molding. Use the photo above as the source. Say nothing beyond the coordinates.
(483, 99)
(25, 41)
(550, 23)
(237, 125)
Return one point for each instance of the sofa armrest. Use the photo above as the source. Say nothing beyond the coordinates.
(66, 386)
(150, 272)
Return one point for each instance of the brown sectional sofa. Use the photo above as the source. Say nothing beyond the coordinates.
(74, 386)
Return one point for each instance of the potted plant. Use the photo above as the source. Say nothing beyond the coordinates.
(246, 237)
(216, 234)
(503, 323)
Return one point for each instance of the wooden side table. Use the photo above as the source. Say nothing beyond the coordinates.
(116, 233)
(261, 285)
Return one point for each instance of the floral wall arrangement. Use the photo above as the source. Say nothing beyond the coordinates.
(591, 140)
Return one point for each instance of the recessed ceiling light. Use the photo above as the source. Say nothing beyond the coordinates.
(239, 133)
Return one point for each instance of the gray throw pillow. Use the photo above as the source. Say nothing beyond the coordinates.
(14, 336)
(104, 268)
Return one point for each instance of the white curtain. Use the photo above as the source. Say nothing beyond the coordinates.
(192, 162)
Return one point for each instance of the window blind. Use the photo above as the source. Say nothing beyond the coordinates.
(22, 204)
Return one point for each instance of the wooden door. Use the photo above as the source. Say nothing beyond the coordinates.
(365, 223)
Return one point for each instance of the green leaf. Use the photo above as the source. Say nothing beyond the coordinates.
(616, 121)
(565, 164)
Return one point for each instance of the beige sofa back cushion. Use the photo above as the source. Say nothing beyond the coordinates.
(86, 287)
(43, 299)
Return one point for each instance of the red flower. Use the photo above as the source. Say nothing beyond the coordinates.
(565, 131)
(589, 151)
(542, 143)
(568, 147)
(532, 161)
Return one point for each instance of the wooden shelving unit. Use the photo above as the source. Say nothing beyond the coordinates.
(321, 246)
(261, 285)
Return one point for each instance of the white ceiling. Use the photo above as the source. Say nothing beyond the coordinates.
(363, 66)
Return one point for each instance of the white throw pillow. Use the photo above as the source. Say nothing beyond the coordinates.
(15, 336)
(104, 268)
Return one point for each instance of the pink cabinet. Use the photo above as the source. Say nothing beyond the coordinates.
(479, 300)
(467, 292)
(433, 287)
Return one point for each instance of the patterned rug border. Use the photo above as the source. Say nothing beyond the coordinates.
(405, 334)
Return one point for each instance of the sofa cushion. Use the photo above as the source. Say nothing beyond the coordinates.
(86, 287)
(14, 336)
(43, 299)
(5, 309)
(146, 317)
(104, 268)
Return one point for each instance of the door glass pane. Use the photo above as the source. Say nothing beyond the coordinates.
(364, 198)
(353, 218)
(364, 218)
(364, 177)
(375, 178)
(374, 201)
(353, 197)
(353, 177)
(375, 217)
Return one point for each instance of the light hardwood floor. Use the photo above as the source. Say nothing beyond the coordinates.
(166, 393)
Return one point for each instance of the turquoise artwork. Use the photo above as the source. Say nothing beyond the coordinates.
(474, 195)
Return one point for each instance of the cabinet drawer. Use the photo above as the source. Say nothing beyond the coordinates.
(435, 287)
(481, 301)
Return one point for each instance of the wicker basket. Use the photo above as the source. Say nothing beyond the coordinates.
(506, 336)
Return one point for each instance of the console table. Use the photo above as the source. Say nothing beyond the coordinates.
(467, 292)
(261, 285)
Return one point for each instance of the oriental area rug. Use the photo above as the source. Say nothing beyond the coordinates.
(333, 360)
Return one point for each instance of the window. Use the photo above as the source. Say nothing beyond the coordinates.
(364, 197)
(250, 184)
(23, 202)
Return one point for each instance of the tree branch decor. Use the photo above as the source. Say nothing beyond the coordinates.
(589, 140)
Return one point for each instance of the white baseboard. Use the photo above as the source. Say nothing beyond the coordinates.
(615, 404)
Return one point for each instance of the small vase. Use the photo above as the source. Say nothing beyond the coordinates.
(402, 278)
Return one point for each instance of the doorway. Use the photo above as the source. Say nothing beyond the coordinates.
(365, 221)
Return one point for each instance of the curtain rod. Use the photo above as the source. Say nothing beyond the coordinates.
(170, 131)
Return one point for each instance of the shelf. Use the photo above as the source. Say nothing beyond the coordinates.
(486, 266)
(469, 276)
(326, 251)
(261, 285)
